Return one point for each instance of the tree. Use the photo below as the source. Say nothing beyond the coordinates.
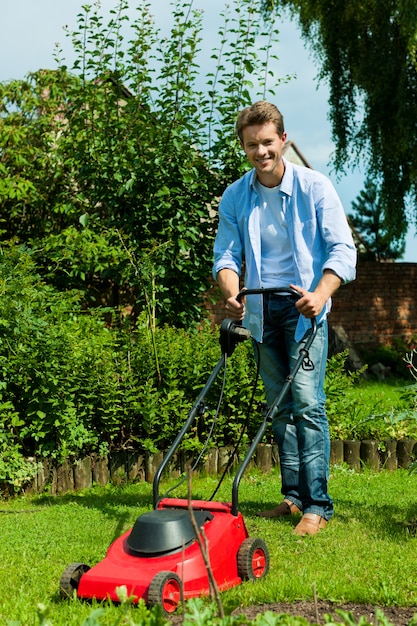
(367, 52)
(369, 220)
(34, 185)
(125, 156)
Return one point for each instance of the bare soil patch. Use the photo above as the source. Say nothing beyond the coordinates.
(314, 612)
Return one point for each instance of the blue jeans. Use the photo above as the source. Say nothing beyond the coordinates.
(299, 424)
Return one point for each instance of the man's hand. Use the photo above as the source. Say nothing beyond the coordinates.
(235, 310)
(312, 303)
(228, 282)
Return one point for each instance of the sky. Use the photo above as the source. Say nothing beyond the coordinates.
(31, 29)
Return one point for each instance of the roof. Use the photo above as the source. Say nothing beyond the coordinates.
(294, 154)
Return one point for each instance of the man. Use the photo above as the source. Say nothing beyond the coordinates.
(287, 224)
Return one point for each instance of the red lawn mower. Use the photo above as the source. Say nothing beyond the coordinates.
(160, 559)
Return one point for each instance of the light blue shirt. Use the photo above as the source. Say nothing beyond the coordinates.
(317, 226)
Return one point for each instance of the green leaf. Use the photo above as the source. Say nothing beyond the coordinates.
(84, 219)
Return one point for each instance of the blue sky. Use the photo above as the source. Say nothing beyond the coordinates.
(29, 31)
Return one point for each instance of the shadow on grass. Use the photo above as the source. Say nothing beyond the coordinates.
(383, 519)
(102, 500)
(122, 503)
(394, 520)
(114, 504)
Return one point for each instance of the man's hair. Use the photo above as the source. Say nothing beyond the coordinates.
(260, 112)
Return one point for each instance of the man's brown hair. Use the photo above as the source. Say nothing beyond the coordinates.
(260, 112)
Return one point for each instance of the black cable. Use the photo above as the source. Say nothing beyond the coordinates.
(214, 422)
(210, 434)
(245, 425)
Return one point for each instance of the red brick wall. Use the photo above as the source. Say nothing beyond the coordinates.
(378, 307)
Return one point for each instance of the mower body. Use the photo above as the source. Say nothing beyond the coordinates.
(164, 541)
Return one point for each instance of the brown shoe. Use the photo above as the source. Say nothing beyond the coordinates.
(310, 524)
(286, 507)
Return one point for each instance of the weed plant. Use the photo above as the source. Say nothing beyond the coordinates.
(366, 554)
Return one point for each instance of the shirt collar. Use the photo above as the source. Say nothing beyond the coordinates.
(287, 179)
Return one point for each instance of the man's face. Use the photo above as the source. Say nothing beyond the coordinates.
(263, 148)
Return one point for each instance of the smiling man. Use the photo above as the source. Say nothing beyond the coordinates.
(287, 224)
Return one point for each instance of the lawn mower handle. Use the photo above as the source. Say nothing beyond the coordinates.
(231, 333)
(282, 290)
(261, 290)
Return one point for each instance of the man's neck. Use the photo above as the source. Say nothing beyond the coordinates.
(272, 179)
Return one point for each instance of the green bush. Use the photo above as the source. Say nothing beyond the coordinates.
(75, 381)
(71, 384)
(360, 408)
(53, 358)
(342, 411)
(390, 356)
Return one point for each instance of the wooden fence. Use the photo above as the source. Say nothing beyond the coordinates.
(133, 466)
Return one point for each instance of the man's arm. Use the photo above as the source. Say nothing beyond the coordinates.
(228, 282)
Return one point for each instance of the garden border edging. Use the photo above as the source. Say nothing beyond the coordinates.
(125, 466)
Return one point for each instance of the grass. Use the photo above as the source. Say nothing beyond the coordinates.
(374, 410)
(378, 396)
(366, 555)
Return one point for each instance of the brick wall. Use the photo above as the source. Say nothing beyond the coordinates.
(378, 307)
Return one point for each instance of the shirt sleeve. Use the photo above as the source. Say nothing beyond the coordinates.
(228, 248)
(341, 255)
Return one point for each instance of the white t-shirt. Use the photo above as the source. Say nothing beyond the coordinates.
(277, 261)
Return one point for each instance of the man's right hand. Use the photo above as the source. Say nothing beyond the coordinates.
(235, 310)
(228, 282)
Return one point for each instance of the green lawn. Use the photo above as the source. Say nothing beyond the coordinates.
(367, 553)
(378, 396)
(374, 410)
